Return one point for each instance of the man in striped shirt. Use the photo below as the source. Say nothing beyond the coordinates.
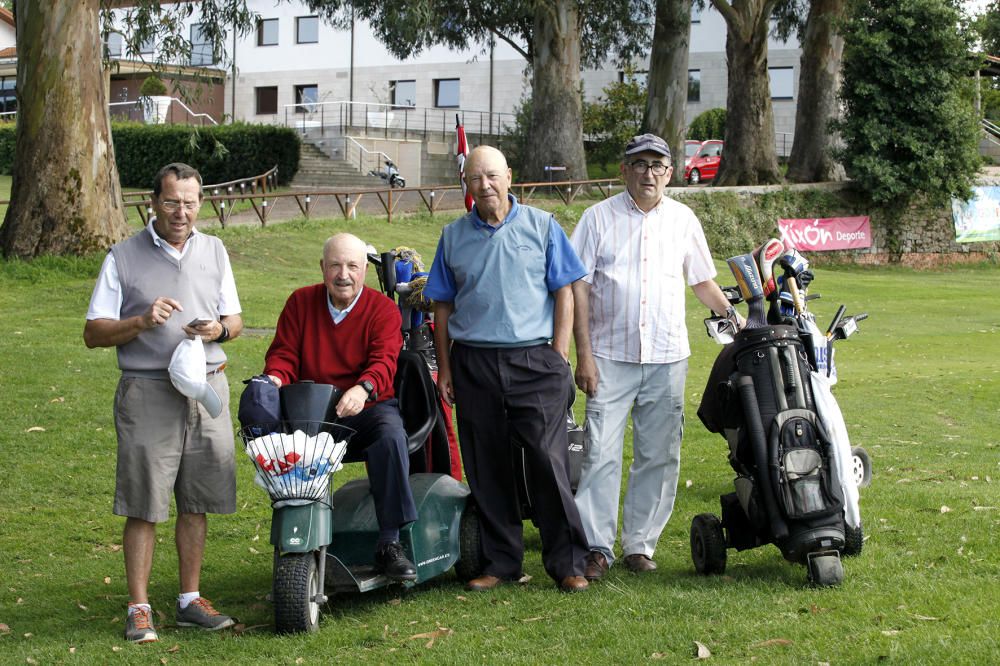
(640, 249)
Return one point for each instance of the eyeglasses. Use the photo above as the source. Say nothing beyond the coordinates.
(640, 166)
(170, 205)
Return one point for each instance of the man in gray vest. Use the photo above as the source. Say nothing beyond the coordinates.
(166, 284)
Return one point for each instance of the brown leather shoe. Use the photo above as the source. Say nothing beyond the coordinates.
(574, 584)
(639, 563)
(597, 566)
(483, 583)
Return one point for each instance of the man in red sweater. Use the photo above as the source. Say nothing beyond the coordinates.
(342, 333)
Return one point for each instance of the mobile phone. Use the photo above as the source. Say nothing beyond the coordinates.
(195, 323)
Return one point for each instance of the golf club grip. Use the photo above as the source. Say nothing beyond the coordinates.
(836, 320)
(758, 442)
(793, 289)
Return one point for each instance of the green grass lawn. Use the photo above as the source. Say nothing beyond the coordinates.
(918, 388)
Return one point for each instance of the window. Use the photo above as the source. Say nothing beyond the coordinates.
(8, 96)
(267, 100)
(640, 77)
(201, 47)
(403, 93)
(446, 93)
(113, 47)
(782, 82)
(307, 30)
(694, 85)
(267, 32)
(305, 97)
(148, 46)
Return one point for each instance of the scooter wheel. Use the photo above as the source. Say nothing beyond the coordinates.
(854, 540)
(296, 586)
(861, 467)
(825, 569)
(708, 544)
(470, 559)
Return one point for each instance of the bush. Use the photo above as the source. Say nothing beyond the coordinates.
(221, 154)
(709, 124)
(152, 86)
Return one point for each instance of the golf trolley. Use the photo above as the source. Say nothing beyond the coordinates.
(769, 394)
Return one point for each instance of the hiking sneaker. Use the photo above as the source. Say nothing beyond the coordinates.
(139, 627)
(199, 613)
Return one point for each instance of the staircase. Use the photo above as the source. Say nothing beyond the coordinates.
(317, 170)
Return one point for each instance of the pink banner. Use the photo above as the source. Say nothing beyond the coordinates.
(829, 233)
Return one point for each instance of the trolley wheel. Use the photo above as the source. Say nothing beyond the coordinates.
(861, 467)
(470, 558)
(824, 568)
(296, 587)
(854, 540)
(708, 544)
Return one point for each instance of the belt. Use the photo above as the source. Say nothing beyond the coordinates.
(216, 371)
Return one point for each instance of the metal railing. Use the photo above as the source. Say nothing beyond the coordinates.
(140, 110)
(367, 160)
(991, 131)
(783, 143)
(387, 120)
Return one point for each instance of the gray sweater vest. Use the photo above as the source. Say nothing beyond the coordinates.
(146, 272)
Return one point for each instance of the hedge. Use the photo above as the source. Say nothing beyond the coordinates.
(221, 154)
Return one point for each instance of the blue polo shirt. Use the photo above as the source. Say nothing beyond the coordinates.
(501, 279)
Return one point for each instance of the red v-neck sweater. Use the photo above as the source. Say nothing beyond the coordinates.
(364, 345)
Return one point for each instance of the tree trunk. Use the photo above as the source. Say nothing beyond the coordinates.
(749, 157)
(556, 108)
(668, 77)
(65, 196)
(819, 80)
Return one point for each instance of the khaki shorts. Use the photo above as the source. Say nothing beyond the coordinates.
(169, 445)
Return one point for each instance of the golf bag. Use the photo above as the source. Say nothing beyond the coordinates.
(787, 486)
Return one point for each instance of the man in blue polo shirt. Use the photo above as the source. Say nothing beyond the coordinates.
(503, 315)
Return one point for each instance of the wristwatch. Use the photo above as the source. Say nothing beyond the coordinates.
(368, 387)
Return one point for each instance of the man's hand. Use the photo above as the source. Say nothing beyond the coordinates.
(208, 332)
(352, 402)
(275, 380)
(586, 374)
(444, 386)
(159, 312)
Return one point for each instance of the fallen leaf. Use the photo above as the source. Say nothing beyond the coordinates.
(432, 635)
(107, 580)
(20, 600)
(28, 635)
(115, 547)
(945, 509)
(60, 399)
(773, 642)
(72, 650)
(687, 484)
(701, 650)
(175, 648)
(300, 660)
(80, 606)
(926, 618)
(116, 648)
(461, 598)
(254, 551)
(163, 660)
(658, 655)
(890, 632)
(533, 619)
(30, 661)
(4, 629)
(395, 602)
(35, 429)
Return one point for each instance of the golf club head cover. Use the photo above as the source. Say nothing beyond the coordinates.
(744, 269)
(765, 256)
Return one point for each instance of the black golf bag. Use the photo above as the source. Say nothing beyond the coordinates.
(787, 491)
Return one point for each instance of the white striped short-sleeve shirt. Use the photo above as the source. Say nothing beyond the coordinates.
(638, 265)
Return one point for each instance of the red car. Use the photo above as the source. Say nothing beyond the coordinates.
(705, 163)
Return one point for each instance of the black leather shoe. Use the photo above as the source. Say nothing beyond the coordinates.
(391, 561)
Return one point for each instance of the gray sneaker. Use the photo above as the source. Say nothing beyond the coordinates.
(199, 613)
(139, 627)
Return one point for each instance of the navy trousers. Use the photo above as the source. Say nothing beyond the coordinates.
(381, 440)
(518, 394)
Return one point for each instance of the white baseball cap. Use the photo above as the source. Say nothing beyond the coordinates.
(188, 375)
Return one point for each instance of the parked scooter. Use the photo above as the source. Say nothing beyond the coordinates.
(391, 175)
(768, 394)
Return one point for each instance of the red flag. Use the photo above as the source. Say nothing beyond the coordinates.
(462, 152)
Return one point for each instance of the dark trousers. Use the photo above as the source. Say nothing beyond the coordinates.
(381, 441)
(521, 394)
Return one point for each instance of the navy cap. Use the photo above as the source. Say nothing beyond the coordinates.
(647, 142)
(260, 406)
